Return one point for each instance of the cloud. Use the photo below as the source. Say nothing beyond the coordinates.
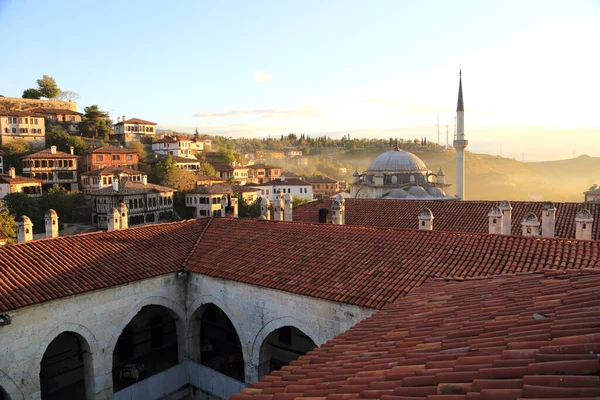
(262, 76)
(307, 111)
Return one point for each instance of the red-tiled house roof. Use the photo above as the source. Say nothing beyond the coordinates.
(110, 149)
(136, 121)
(449, 215)
(526, 336)
(47, 153)
(49, 269)
(368, 267)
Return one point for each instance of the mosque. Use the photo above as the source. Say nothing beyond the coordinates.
(399, 174)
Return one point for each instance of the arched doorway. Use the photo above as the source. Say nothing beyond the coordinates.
(281, 347)
(220, 347)
(66, 368)
(148, 345)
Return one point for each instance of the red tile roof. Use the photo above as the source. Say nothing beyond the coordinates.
(368, 267)
(47, 153)
(525, 336)
(54, 111)
(49, 269)
(287, 182)
(113, 171)
(20, 114)
(110, 149)
(136, 121)
(449, 215)
(18, 180)
(173, 139)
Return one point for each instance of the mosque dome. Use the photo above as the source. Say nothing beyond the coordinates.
(436, 192)
(398, 193)
(397, 160)
(417, 191)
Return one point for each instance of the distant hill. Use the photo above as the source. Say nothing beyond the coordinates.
(496, 178)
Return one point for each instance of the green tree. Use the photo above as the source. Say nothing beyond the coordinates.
(167, 174)
(57, 136)
(139, 148)
(16, 147)
(226, 155)
(297, 201)
(248, 210)
(47, 87)
(95, 123)
(19, 204)
(8, 226)
(31, 93)
(208, 169)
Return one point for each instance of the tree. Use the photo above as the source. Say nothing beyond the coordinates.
(47, 87)
(166, 173)
(19, 204)
(248, 210)
(67, 95)
(208, 169)
(139, 148)
(226, 155)
(95, 123)
(31, 93)
(8, 226)
(16, 147)
(57, 136)
(297, 201)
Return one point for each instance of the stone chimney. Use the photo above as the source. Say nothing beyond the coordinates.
(234, 207)
(338, 210)
(115, 184)
(224, 206)
(282, 178)
(11, 172)
(51, 223)
(278, 206)
(583, 224)
(123, 118)
(24, 229)
(548, 219)
(506, 209)
(72, 149)
(355, 177)
(495, 220)
(288, 204)
(100, 184)
(264, 208)
(112, 219)
(426, 220)
(124, 217)
(144, 179)
(379, 178)
(52, 149)
(530, 225)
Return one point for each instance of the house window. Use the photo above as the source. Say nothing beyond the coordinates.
(129, 157)
(36, 121)
(14, 130)
(6, 130)
(20, 120)
(26, 120)
(99, 158)
(116, 157)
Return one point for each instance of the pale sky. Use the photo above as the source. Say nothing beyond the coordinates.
(370, 68)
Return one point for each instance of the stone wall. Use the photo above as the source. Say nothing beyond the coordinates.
(19, 104)
(100, 316)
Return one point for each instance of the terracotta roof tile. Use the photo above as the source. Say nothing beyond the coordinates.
(387, 345)
(450, 215)
(47, 153)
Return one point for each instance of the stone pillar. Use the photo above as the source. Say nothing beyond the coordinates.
(24, 229)
(495, 220)
(113, 220)
(287, 207)
(583, 224)
(51, 223)
(548, 219)
(426, 220)
(506, 209)
(234, 207)
(530, 225)
(278, 207)
(224, 206)
(124, 223)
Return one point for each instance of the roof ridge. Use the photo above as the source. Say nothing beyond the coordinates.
(193, 249)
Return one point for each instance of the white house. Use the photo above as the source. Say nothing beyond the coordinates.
(173, 145)
(293, 186)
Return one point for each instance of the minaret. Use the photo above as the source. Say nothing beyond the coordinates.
(460, 143)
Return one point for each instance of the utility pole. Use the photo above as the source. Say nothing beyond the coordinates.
(447, 145)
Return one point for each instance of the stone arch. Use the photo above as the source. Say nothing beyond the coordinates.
(9, 387)
(218, 344)
(272, 326)
(175, 308)
(88, 342)
(158, 304)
